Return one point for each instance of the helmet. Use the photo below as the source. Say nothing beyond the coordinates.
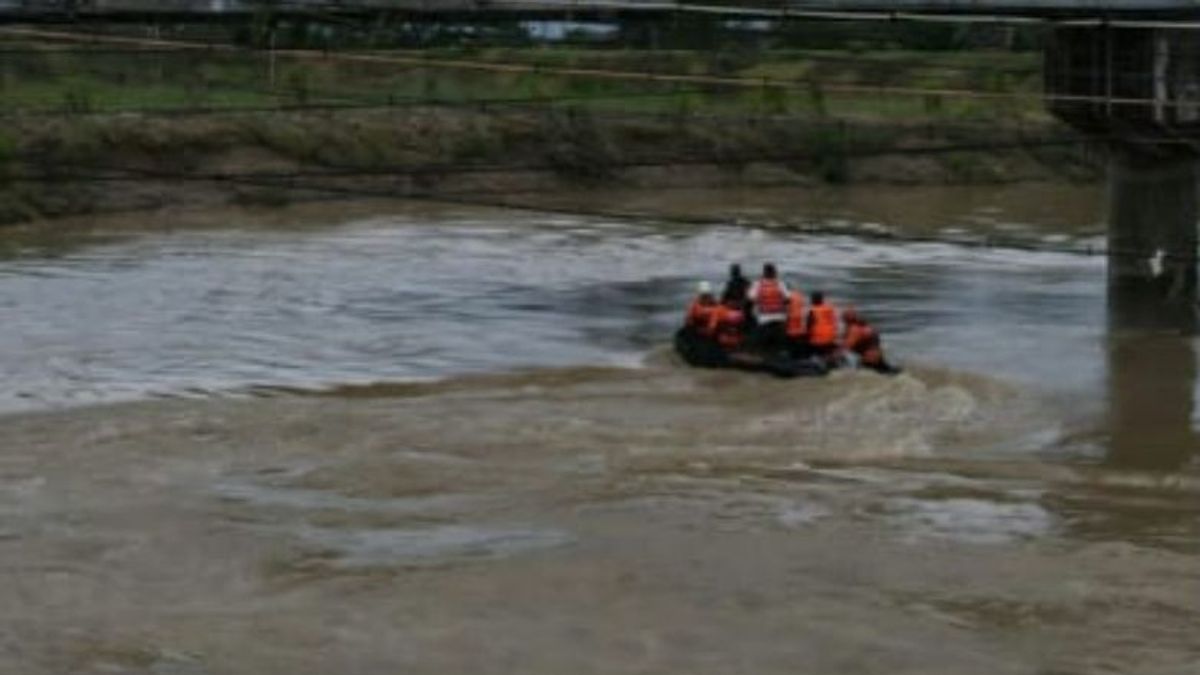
(704, 288)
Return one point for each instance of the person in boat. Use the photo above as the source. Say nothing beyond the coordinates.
(695, 341)
(736, 287)
(769, 296)
(727, 325)
(700, 312)
(796, 325)
(723, 341)
(862, 342)
(822, 327)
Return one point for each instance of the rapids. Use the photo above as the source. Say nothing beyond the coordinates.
(397, 438)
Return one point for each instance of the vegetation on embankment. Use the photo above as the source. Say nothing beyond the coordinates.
(885, 85)
(90, 130)
(69, 165)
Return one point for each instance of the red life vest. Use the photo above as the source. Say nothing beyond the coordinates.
(770, 298)
(699, 315)
(862, 339)
(822, 329)
(727, 326)
(795, 316)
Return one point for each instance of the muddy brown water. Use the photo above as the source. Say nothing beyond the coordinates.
(398, 438)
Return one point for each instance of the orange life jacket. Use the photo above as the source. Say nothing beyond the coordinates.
(863, 339)
(796, 328)
(822, 325)
(727, 326)
(770, 298)
(698, 316)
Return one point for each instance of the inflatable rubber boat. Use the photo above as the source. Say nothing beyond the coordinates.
(704, 352)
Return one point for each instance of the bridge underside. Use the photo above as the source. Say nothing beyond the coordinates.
(234, 11)
(1032, 9)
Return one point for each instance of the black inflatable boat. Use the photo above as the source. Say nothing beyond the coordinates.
(704, 352)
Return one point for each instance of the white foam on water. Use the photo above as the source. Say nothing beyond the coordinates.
(799, 514)
(302, 498)
(359, 548)
(969, 520)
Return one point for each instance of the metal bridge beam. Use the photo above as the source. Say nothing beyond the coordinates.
(233, 11)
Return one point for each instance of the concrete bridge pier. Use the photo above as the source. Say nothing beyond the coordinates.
(1152, 364)
(1138, 90)
(1152, 306)
(1152, 239)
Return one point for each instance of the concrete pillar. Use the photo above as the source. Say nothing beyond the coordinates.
(1152, 240)
(1151, 401)
(1152, 308)
(1141, 87)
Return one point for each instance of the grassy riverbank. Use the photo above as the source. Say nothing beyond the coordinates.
(90, 130)
(67, 166)
(892, 84)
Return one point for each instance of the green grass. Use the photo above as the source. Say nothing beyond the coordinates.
(83, 83)
(82, 94)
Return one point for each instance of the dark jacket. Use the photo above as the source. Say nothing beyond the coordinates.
(735, 289)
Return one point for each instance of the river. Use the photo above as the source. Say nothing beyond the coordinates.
(397, 437)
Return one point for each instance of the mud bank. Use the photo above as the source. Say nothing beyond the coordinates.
(587, 520)
(73, 165)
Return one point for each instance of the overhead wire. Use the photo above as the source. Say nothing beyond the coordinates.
(334, 102)
(972, 13)
(820, 56)
(656, 77)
